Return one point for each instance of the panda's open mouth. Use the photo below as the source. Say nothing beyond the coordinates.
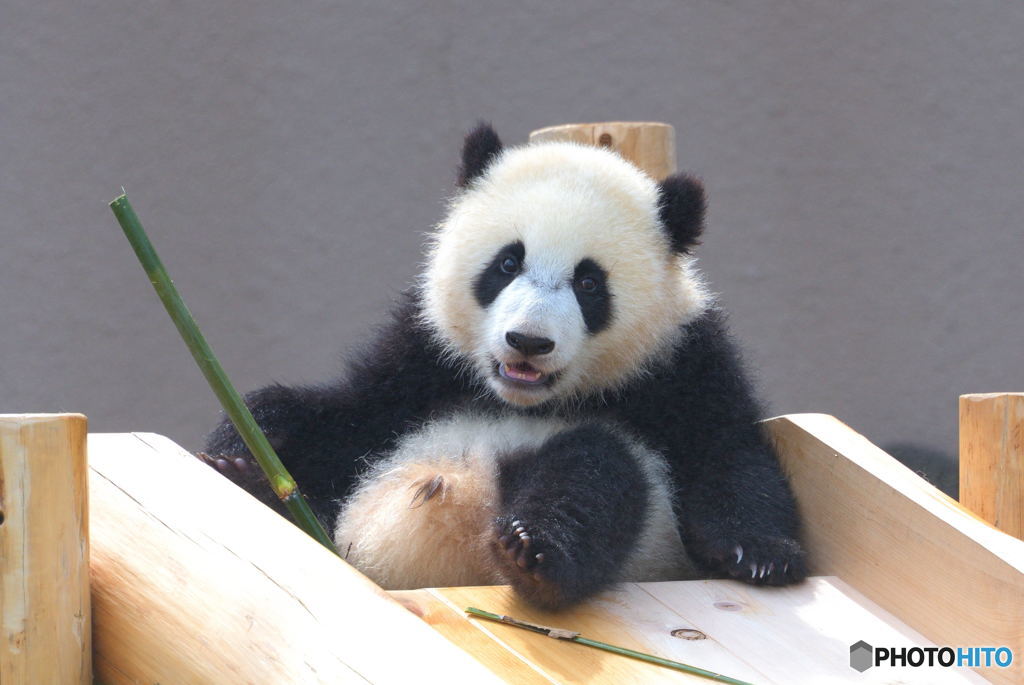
(523, 373)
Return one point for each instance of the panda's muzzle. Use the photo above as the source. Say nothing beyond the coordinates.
(522, 372)
(529, 345)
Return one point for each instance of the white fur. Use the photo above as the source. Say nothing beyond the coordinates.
(659, 554)
(538, 303)
(565, 202)
(402, 542)
(444, 540)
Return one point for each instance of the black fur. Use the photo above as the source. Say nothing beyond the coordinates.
(697, 410)
(681, 208)
(580, 500)
(595, 305)
(480, 148)
(492, 280)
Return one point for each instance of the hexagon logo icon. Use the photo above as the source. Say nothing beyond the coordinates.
(861, 656)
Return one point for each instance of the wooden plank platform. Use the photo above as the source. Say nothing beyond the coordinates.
(873, 522)
(799, 634)
(195, 582)
(191, 575)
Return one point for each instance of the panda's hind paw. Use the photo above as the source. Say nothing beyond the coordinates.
(518, 547)
(531, 557)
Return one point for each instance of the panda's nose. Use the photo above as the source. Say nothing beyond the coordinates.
(528, 344)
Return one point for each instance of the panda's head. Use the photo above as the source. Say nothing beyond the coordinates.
(561, 270)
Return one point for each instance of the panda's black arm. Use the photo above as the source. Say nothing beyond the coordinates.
(324, 433)
(737, 514)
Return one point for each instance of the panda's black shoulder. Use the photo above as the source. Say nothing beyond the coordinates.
(699, 388)
(400, 335)
(706, 345)
(402, 359)
(708, 352)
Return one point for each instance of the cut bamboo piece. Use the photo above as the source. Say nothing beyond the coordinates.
(884, 530)
(195, 581)
(647, 144)
(45, 625)
(992, 459)
(278, 478)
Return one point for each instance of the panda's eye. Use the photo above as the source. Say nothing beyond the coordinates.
(510, 265)
(588, 284)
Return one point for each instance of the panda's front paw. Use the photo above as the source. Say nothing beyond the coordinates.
(234, 467)
(239, 469)
(243, 471)
(764, 560)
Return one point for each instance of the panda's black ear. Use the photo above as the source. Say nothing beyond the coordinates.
(482, 145)
(681, 207)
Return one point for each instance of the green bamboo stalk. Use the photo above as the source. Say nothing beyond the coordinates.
(280, 480)
(570, 636)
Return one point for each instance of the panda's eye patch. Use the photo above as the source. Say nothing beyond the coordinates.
(510, 265)
(590, 285)
(503, 268)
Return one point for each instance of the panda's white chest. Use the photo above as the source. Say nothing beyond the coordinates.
(423, 516)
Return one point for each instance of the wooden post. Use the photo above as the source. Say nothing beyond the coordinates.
(992, 459)
(649, 145)
(45, 623)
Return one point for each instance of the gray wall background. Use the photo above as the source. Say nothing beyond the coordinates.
(862, 159)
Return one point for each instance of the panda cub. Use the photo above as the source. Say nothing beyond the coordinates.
(557, 406)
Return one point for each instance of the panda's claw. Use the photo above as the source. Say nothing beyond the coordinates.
(237, 468)
(241, 469)
(756, 559)
(519, 547)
